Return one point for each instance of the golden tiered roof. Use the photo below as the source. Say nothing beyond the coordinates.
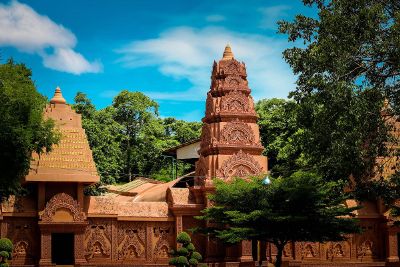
(71, 160)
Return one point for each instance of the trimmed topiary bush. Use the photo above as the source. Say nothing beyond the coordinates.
(6, 248)
(183, 238)
(186, 255)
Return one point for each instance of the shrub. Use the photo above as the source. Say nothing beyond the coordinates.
(4, 254)
(183, 251)
(6, 248)
(183, 238)
(6, 245)
(193, 261)
(191, 247)
(196, 255)
(186, 255)
(182, 260)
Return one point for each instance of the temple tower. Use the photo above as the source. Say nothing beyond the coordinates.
(230, 145)
(230, 140)
(60, 177)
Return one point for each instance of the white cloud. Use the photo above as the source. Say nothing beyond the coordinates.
(188, 53)
(272, 14)
(66, 59)
(215, 18)
(23, 28)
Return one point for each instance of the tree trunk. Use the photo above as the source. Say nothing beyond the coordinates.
(129, 160)
(280, 248)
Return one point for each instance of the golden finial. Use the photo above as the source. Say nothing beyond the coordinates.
(58, 97)
(227, 53)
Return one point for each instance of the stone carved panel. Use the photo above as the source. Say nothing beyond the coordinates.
(309, 250)
(237, 132)
(131, 241)
(239, 165)
(233, 68)
(98, 239)
(201, 171)
(65, 203)
(206, 137)
(209, 104)
(164, 236)
(235, 102)
(368, 243)
(338, 250)
(23, 234)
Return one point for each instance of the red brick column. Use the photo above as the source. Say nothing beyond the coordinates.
(45, 249)
(391, 246)
(78, 247)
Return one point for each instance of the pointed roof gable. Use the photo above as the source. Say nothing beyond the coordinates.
(71, 160)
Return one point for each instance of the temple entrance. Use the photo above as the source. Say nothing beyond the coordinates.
(62, 248)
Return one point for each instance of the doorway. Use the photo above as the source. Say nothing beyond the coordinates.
(62, 248)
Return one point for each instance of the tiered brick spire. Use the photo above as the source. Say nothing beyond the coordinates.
(230, 141)
(71, 160)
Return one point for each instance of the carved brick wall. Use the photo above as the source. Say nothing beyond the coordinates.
(23, 232)
(107, 241)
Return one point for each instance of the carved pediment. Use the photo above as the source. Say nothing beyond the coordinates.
(237, 132)
(235, 101)
(62, 208)
(239, 165)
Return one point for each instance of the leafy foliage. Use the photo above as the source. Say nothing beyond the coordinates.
(187, 254)
(23, 129)
(348, 65)
(128, 138)
(6, 248)
(302, 207)
(281, 136)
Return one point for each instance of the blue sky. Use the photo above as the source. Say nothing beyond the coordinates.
(164, 49)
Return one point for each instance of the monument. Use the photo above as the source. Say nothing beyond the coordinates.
(136, 224)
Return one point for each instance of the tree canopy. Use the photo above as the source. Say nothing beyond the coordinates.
(302, 207)
(128, 137)
(23, 129)
(347, 67)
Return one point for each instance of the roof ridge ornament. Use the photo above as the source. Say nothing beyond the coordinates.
(58, 97)
(228, 54)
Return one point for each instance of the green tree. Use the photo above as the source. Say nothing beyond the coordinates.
(281, 136)
(23, 129)
(83, 105)
(182, 131)
(133, 110)
(186, 255)
(348, 65)
(104, 136)
(302, 207)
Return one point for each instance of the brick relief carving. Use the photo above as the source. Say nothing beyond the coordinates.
(366, 249)
(234, 68)
(23, 233)
(104, 205)
(338, 250)
(206, 137)
(131, 241)
(237, 132)
(62, 201)
(78, 247)
(287, 250)
(368, 244)
(98, 240)
(201, 171)
(309, 250)
(239, 165)
(164, 235)
(209, 104)
(235, 102)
